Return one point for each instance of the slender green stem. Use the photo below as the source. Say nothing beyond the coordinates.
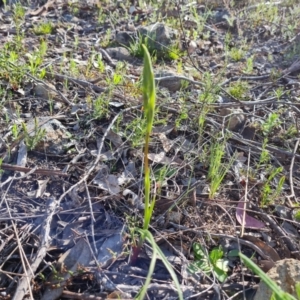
(147, 182)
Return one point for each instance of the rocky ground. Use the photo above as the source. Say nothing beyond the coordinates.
(224, 151)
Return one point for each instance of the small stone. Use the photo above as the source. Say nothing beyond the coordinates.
(283, 211)
(286, 273)
(57, 105)
(130, 27)
(160, 36)
(119, 53)
(173, 84)
(124, 38)
(192, 47)
(56, 138)
(223, 19)
(175, 217)
(41, 91)
(235, 118)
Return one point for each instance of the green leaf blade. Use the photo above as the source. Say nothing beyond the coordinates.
(215, 254)
(149, 95)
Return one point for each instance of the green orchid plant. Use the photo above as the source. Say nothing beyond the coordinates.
(149, 96)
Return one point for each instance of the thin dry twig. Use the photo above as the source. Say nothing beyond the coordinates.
(24, 284)
(291, 175)
(46, 172)
(81, 296)
(246, 195)
(64, 99)
(25, 263)
(92, 217)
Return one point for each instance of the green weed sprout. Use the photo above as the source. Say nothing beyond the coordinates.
(268, 197)
(217, 169)
(278, 293)
(149, 109)
(270, 124)
(32, 139)
(43, 28)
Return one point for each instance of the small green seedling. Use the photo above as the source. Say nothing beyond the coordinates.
(238, 89)
(268, 194)
(43, 28)
(271, 122)
(32, 139)
(213, 263)
(237, 54)
(217, 169)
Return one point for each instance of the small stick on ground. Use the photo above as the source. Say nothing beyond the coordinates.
(21, 290)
